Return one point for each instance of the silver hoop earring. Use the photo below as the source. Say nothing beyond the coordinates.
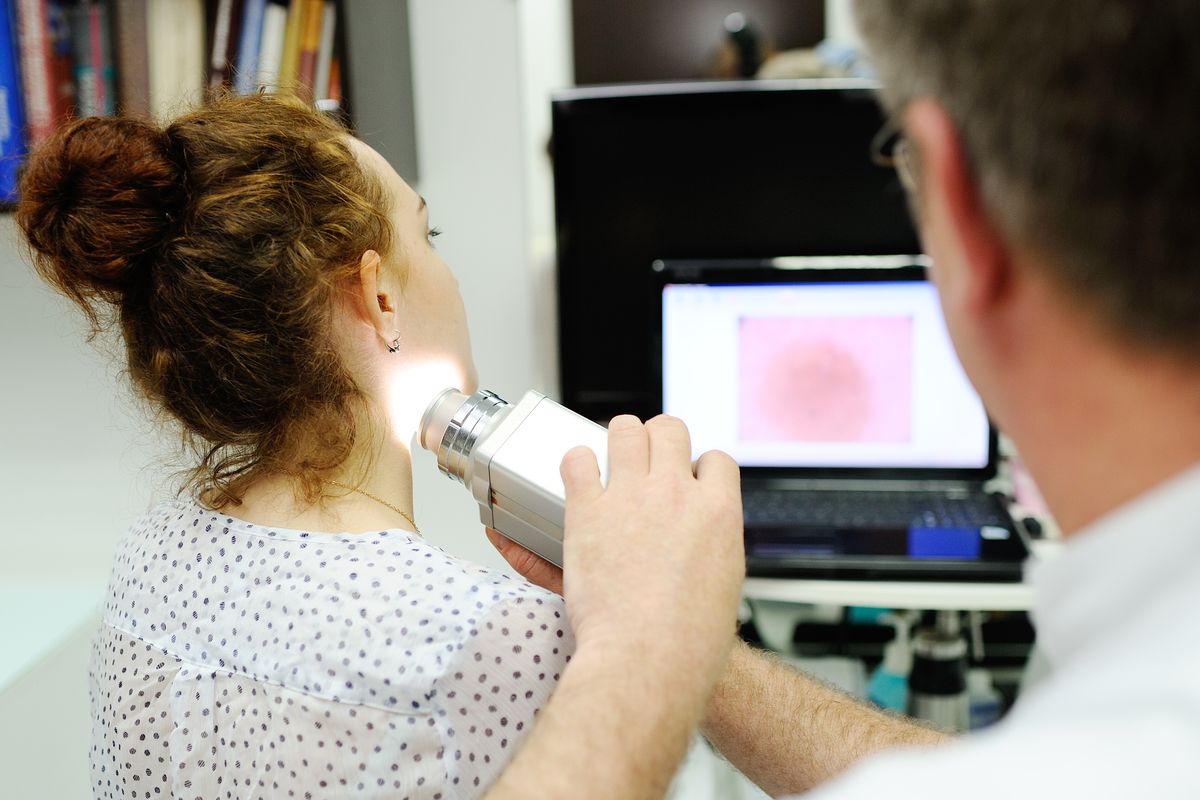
(394, 345)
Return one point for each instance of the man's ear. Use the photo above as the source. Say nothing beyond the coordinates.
(375, 298)
(969, 254)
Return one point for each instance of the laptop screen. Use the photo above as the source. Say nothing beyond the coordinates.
(820, 375)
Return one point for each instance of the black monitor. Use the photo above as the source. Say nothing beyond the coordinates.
(700, 170)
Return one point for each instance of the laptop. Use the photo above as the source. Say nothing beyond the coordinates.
(865, 452)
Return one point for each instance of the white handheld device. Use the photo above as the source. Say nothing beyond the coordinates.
(508, 456)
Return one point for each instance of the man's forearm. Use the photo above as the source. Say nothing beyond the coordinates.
(616, 726)
(788, 732)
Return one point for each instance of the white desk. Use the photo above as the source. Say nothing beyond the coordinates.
(779, 603)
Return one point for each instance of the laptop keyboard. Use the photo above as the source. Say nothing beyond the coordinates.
(764, 507)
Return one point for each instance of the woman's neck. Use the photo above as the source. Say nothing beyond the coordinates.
(383, 479)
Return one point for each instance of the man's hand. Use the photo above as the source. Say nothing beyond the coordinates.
(528, 564)
(651, 481)
(655, 559)
(653, 567)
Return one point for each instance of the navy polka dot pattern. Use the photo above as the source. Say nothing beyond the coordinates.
(239, 661)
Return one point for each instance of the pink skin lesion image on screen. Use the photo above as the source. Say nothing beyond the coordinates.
(825, 379)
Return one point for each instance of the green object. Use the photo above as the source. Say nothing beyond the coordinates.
(888, 687)
(866, 615)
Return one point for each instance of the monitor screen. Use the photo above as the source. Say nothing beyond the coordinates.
(820, 375)
(742, 170)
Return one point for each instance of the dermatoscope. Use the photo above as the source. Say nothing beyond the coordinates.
(508, 457)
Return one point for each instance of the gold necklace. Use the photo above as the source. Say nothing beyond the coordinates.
(348, 487)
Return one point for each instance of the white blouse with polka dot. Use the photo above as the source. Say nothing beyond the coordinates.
(237, 661)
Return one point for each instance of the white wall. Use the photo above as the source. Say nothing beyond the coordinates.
(78, 461)
(546, 55)
(483, 70)
(76, 454)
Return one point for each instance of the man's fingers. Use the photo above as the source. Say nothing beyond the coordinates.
(580, 474)
(527, 564)
(670, 444)
(717, 467)
(628, 450)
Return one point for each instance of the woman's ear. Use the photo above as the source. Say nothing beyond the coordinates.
(375, 298)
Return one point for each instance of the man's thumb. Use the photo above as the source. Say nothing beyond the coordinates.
(580, 474)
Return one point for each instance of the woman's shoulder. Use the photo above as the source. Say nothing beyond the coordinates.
(392, 555)
(373, 618)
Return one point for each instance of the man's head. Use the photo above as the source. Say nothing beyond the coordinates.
(1065, 133)
(1056, 153)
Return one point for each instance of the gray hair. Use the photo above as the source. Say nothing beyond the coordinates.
(1081, 121)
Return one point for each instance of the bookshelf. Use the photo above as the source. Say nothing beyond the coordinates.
(155, 58)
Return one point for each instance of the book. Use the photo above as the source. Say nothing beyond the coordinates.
(335, 83)
(289, 68)
(62, 61)
(88, 79)
(224, 28)
(310, 41)
(133, 58)
(270, 50)
(246, 69)
(12, 112)
(325, 51)
(335, 98)
(33, 46)
(176, 56)
(100, 34)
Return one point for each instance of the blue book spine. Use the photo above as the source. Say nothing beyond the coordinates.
(246, 77)
(12, 123)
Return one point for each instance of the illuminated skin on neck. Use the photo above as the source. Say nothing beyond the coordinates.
(434, 350)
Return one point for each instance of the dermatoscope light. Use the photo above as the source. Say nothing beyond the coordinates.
(508, 456)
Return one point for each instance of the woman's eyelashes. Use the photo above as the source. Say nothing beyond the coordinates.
(432, 234)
